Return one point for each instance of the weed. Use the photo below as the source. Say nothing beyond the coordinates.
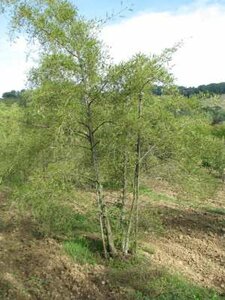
(148, 248)
(150, 220)
(216, 210)
(79, 250)
(52, 211)
(145, 282)
(156, 196)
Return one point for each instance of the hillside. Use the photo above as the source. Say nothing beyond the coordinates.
(108, 190)
(189, 245)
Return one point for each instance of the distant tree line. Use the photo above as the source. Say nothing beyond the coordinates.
(210, 89)
(217, 113)
(13, 97)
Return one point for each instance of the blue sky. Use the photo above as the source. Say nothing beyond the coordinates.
(92, 8)
(152, 26)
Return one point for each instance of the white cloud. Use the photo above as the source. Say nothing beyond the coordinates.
(13, 65)
(201, 60)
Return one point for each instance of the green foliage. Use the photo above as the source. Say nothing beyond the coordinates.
(82, 120)
(145, 282)
(56, 207)
(79, 250)
(212, 88)
(78, 128)
(219, 211)
(10, 98)
(150, 220)
(217, 114)
(156, 196)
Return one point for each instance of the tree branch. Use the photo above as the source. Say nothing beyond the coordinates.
(147, 152)
(82, 134)
(100, 125)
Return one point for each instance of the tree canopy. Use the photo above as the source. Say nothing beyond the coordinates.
(87, 123)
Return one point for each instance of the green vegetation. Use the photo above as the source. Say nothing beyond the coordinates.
(52, 210)
(13, 97)
(210, 89)
(74, 148)
(156, 196)
(80, 251)
(144, 282)
(88, 124)
(219, 211)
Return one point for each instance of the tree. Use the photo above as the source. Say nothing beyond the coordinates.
(72, 64)
(131, 84)
(109, 111)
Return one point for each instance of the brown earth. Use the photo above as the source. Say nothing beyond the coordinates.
(194, 245)
(34, 267)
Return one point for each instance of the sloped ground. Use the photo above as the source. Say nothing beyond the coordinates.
(194, 240)
(194, 245)
(34, 267)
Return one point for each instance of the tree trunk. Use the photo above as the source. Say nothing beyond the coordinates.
(106, 232)
(137, 175)
(123, 201)
(134, 215)
(126, 244)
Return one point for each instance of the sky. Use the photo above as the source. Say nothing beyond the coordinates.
(150, 27)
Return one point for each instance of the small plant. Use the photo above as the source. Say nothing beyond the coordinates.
(156, 196)
(216, 210)
(79, 250)
(150, 220)
(148, 248)
(145, 282)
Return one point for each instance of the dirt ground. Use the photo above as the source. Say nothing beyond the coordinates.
(33, 267)
(193, 245)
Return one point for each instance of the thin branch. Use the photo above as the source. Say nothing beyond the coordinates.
(94, 145)
(61, 45)
(99, 91)
(147, 152)
(84, 147)
(82, 134)
(100, 125)
(85, 125)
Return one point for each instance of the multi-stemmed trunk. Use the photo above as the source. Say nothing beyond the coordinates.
(106, 231)
(123, 200)
(133, 216)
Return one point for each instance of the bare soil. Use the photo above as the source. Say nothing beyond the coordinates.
(194, 245)
(34, 267)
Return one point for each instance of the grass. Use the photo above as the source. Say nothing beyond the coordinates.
(51, 209)
(81, 251)
(216, 210)
(150, 220)
(142, 281)
(146, 247)
(138, 278)
(4, 288)
(183, 202)
(156, 196)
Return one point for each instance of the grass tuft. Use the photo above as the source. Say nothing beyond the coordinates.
(80, 252)
(142, 281)
(216, 210)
